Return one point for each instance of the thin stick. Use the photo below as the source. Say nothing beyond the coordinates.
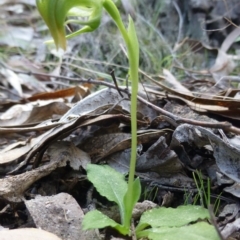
(115, 82)
(179, 120)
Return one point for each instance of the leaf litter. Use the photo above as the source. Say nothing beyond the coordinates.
(52, 128)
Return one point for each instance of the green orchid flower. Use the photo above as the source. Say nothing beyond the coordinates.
(55, 12)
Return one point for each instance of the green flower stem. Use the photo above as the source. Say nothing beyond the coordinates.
(133, 58)
(54, 13)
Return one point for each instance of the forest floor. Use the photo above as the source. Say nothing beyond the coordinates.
(60, 111)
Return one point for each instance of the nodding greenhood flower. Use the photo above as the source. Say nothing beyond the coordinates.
(55, 12)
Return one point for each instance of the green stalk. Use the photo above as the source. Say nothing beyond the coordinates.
(133, 58)
(54, 12)
(134, 78)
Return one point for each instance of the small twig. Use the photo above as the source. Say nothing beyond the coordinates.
(115, 82)
(179, 120)
(117, 103)
(168, 119)
(213, 221)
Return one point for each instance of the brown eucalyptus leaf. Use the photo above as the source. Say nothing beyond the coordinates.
(233, 189)
(235, 141)
(76, 157)
(119, 160)
(22, 114)
(176, 85)
(104, 145)
(50, 111)
(232, 112)
(168, 181)
(224, 64)
(231, 228)
(106, 96)
(207, 99)
(13, 187)
(229, 212)
(41, 143)
(13, 79)
(36, 144)
(58, 109)
(226, 155)
(74, 118)
(186, 112)
(63, 93)
(45, 125)
(96, 100)
(16, 115)
(98, 147)
(159, 158)
(16, 150)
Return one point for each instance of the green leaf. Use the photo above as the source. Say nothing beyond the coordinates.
(108, 182)
(198, 231)
(172, 217)
(130, 205)
(134, 51)
(96, 219)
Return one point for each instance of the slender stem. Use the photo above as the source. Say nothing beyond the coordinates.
(133, 133)
(133, 57)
